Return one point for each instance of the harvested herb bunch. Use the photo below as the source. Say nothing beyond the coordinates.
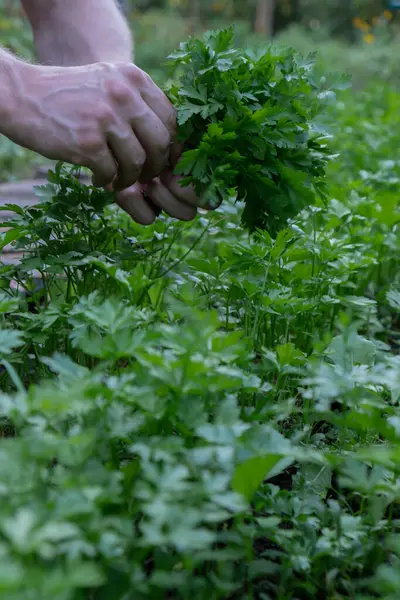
(248, 125)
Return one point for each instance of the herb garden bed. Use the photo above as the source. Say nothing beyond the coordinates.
(191, 411)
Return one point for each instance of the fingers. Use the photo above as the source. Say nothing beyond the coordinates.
(140, 133)
(132, 201)
(140, 146)
(164, 199)
(175, 153)
(104, 169)
(155, 139)
(158, 102)
(110, 117)
(152, 118)
(187, 194)
(130, 157)
(140, 127)
(144, 203)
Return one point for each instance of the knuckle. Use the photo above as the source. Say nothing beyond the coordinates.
(165, 141)
(137, 76)
(104, 66)
(104, 114)
(102, 69)
(119, 91)
(90, 142)
(162, 146)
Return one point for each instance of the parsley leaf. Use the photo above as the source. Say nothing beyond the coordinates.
(248, 123)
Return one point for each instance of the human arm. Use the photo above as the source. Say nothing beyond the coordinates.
(79, 32)
(107, 115)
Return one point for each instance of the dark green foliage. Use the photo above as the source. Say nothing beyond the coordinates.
(249, 126)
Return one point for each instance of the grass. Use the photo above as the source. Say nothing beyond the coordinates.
(191, 412)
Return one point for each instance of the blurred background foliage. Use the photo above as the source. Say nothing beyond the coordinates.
(358, 37)
(347, 33)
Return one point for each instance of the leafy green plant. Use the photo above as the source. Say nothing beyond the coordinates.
(248, 122)
(187, 411)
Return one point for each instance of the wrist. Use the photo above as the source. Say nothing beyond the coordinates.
(14, 77)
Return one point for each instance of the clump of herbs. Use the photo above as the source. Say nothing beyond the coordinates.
(248, 122)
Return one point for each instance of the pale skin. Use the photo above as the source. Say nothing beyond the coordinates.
(88, 104)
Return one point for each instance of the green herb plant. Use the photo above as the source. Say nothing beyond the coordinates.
(190, 412)
(249, 127)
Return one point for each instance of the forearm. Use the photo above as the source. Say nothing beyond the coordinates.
(13, 74)
(79, 32)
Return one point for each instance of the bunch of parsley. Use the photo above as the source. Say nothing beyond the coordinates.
(248, 124)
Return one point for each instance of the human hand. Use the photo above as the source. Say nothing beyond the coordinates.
(144, 202)
(111, 118)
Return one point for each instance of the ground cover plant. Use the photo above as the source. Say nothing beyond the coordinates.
(190, 411)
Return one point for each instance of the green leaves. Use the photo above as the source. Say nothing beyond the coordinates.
(188, 411)
(393, 298)
(250, 475)
(247, 125)
(10, 339)
(352, 349)
(106, 329)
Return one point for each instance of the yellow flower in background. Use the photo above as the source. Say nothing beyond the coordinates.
(388, 15)
(361, 24)
(369, 38)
